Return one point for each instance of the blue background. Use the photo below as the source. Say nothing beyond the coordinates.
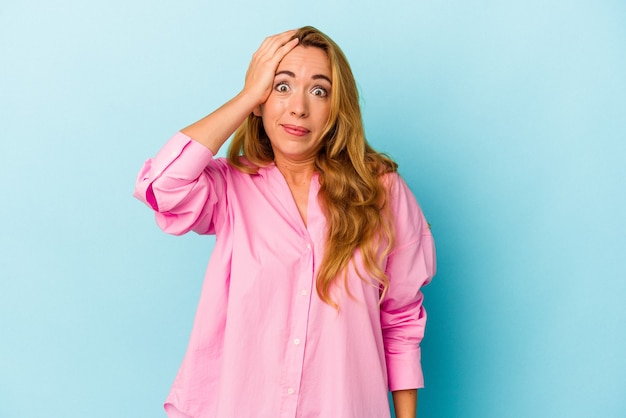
(508, 120)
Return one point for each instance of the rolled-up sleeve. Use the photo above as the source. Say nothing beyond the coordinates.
(411, 265)
(183, 185)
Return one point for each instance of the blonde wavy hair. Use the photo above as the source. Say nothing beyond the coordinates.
(352, 193)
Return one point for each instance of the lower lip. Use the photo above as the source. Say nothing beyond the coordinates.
(295, 132)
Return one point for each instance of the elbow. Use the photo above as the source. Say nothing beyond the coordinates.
(162, 197)
(145, 193)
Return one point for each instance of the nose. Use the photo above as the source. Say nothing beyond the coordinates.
(299, 104)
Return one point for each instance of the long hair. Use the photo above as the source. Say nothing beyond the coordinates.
(352, 193)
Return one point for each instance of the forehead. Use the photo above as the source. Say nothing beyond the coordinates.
(306, 62)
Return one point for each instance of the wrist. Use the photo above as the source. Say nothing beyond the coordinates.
(250, 99)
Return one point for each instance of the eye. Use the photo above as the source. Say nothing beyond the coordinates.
(282, 87)
(319, 91)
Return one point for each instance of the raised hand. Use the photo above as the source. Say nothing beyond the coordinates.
(262, 68)
(213, 130)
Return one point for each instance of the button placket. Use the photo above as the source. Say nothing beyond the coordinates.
(295, 350)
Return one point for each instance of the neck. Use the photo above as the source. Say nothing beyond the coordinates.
(296, 173)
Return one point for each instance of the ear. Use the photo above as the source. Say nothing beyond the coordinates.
(258, 111)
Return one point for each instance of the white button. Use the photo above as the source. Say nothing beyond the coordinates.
(308, 247)
(304, 292)
(296, 341)
(173, 154)
(290, 391)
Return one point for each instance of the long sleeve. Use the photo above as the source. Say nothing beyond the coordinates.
(184, 185)
(410, 266)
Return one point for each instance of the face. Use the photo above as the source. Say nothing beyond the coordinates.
(296, 111)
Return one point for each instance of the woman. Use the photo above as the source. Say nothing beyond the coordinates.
(311, 305)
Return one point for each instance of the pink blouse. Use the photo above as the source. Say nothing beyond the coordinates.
(263, 344)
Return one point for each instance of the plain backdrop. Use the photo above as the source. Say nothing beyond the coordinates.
(508, 120)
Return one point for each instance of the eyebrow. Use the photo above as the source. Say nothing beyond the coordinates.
(314, 77)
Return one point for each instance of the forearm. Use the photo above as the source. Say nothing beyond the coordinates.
(405, 403)
(213, 130)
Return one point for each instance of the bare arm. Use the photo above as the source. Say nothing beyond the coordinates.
(213, 130)
(405, 403)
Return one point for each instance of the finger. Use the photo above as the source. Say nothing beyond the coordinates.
(272, 43)
(286, 48)
(281, 38)
(279, 50)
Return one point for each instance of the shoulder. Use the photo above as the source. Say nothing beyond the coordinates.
(223, 164)
(244, 167)
(408, 218)
(240, 176)
(398, 191)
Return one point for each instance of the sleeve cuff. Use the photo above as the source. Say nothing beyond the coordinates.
(404, 371)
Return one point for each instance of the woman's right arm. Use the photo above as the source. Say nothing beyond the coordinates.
(213, 130)
(179, 183)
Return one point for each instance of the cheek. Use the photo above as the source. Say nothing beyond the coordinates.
(267, 115)
(324, 115)
(274, 105)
